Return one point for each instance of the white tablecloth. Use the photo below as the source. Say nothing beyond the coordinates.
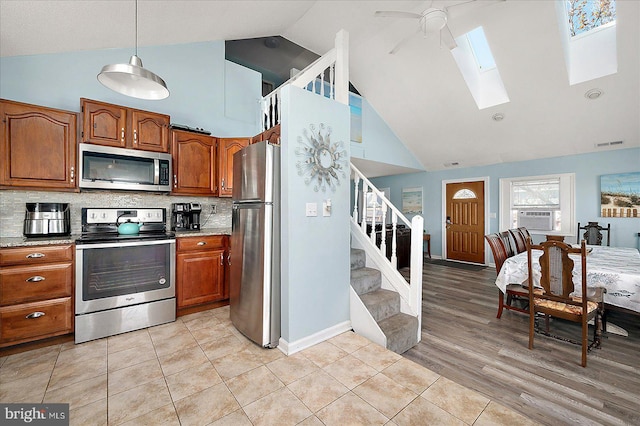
(615, 268)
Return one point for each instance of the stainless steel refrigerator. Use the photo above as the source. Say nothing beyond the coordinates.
(255, 243)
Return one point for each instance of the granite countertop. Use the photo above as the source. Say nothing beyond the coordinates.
(204, 232)
(8, 242)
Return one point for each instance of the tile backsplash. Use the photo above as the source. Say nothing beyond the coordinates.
(12, 206)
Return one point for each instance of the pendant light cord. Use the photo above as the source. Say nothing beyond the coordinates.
(136, 27)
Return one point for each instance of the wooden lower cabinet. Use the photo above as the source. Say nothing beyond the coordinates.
(201, 265)
(36, 288)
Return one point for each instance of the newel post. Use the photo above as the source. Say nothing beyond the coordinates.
(417, 257)
(342, 67)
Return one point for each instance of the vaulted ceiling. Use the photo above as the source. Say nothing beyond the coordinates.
(418, 91)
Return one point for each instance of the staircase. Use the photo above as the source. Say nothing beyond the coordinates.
(401, 330)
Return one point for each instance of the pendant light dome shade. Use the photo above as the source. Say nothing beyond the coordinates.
(133, 80)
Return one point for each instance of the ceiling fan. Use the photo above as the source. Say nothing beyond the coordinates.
(433, 20)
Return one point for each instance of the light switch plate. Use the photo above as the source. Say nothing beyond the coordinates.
(326, 209)
(312, 209)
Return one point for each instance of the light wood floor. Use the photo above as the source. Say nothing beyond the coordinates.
(464, 341)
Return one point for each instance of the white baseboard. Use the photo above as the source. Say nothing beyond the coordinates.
(315, 338)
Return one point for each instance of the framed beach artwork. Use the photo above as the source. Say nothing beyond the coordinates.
(620, 195)
(412, 200)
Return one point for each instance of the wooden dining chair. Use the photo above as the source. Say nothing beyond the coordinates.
(557, 299)
(505, 236)
(593, 233)
(514, 291)
(519, 239)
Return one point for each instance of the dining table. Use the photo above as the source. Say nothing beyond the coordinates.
(617, 269)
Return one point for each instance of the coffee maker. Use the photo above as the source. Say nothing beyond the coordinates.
(47, 219)
(185, 216)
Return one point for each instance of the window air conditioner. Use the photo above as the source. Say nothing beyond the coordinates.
(539, 220)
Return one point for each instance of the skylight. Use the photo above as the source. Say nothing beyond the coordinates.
(588, 33)
(586, 15)
(478, 67)
(481, 50)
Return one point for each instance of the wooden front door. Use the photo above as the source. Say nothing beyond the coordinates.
(465, 221)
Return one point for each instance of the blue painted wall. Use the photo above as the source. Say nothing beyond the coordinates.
(587, 168)
(201, 96)
(315, 250)
(380, 143)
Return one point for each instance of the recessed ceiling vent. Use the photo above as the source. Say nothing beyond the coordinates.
(605, 144)
(452, 164)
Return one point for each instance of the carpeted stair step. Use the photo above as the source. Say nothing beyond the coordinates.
(382, 304)
(358, 258)
(364, 280)
(401, 331)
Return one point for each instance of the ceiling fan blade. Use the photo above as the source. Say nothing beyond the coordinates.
(469, 6)
(403, 41)
(447, 39)
(396, 14)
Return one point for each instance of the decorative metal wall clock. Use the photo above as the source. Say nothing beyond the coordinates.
(324, 162)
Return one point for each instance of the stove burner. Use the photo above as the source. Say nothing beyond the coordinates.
(100, 225)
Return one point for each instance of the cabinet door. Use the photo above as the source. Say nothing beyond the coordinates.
(226, 148)
(38, 146)
(150, 131)
(200, 277)
(194, 170)
(103, 124)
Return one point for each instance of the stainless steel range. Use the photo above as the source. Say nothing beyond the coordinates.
(123, 282)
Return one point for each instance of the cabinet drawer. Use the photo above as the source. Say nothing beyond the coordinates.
(200, 243)
(36, 255)
(32, 320)
(21, 284)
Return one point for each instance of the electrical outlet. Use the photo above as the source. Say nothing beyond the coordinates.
(214, 209)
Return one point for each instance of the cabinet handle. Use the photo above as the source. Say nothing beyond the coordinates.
(34, 255)
(175, 181)
(34, 315)
(221, 259)
(73, 173)
(229, 258)
(222, 183)
(135, 137)
(202, 243)
(35, 279)
(122, 135)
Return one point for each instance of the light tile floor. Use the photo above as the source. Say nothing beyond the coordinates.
(200, 370)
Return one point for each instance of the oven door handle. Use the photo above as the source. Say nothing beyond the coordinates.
(123, 244)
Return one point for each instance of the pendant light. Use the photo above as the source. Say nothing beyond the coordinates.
(132, 79)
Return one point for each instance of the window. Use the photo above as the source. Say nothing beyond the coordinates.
(481, 50)
(478, 67)
(588, 35)
(586, 15)
(542, 204)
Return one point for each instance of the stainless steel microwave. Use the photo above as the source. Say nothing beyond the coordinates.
(105, 167)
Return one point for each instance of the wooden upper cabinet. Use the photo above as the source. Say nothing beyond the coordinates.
(226, 148)
(103, 124)
(194, 163)
(118, 126)
(38, 146)
(150, 131)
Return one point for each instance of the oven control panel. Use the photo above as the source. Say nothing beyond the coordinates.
(115, 215)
